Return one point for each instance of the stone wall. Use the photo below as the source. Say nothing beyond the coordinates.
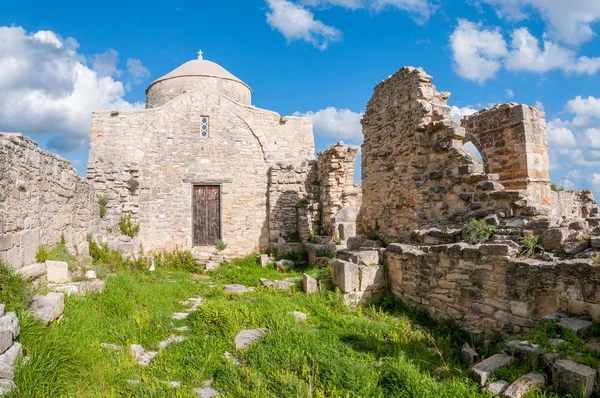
(512, 141)
(41, 197)
(485, 288)
(163, 149)
(573, 204)
(337, 189)
(293, 201)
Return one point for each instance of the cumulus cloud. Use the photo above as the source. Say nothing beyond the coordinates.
(138, 72)
(340, 124)
(421, 10)
(46, 87)
(106, 63)
(459, 113)
(477, 51)
(480, 52)
(295, 22)
(568, 21)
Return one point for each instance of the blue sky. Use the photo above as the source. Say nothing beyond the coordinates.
(322, 58)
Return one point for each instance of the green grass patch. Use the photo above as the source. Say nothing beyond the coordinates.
(15, 292)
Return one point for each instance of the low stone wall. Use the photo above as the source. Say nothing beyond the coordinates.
(485, 288)
(574, 204)
(41, 197)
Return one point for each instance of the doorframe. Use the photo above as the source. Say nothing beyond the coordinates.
(214, 183)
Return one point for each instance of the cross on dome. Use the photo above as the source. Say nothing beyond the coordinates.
(200, 54)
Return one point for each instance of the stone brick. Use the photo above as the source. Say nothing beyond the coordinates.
(372, 277)
(32, 271)
(481, 372)
(263, 260)
(57, 271)
(365, 257)
(524, 385)
(554, 238)
(310, 284)
(569, 377)
(345, 276)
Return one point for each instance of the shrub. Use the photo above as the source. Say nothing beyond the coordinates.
(102, 255)
(556, 188)
(292, 237)
(477, 231)
(42, 255)
(178, 260)
(102, 202)
(132, 185)
(14, 290)
(531, 246)
(126, 227)
(220, 245)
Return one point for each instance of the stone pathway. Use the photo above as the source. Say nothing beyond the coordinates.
(173, 339)
(141, 356)
(246, 338)
(237, 289)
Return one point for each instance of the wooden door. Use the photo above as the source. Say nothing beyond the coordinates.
(206, 216)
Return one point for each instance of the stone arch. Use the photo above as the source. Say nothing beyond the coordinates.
(472, 139)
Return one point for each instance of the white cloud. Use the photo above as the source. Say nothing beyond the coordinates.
(137, 71)
(510, 93)
(46, 87)
(351, 4)
(297, 23)
(568, 21)
(420, 10)
(459, 113)
(106, 63)
(480, 52)
(477, 51)
(595, 182)
(559, 135)
(592, 136)
(341, 124)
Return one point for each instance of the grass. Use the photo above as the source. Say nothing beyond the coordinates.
(382, 351)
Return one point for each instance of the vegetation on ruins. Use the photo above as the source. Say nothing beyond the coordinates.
(15, 293)
(102, 202)
(292, 237)
(220, 245)
(127, 227)
(302, 204)
(556, 188)
(531, 246)
(132, 185)
(477, 231)
(41, 255)
(178, 260)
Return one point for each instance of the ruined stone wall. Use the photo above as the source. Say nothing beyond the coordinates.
(573, 204)
(41, 197)
(336, 180)
(293, 201)
(485, 288)
(512, 141)
(164, 150)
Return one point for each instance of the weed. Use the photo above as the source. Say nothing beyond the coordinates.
(477, 231)
(220, 245)
(126, 227)
(562, 254)
(337, 240)
(178, 260)
(531, 246)
(132, 185)
(556, 188)
(596, 260)
(42, 255)
(102, 202)
(14, 291)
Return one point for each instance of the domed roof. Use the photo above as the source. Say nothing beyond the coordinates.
(200, 67)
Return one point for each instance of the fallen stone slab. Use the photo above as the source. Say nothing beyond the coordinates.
(577, 325)
(569, 377)
(33, 271)
(9, 322)
(79, 288)
(8, 361)
(482, 371)
(173, 339)
(48, 308)
(141, 356)
(57, 271)
(109, 346)
(309, 284)
(277, 284)
(7, 386)
(246, 338)
(206, 392)
(524, 385)
(237, 289)
(300, 316)
(497, 387)
(524, 348)
(180, 315)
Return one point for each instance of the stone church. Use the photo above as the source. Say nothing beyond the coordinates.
(202, 164)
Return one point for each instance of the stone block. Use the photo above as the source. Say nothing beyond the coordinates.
(310, 284)
(372, 278)
(8, 361)
(345, 276)
(595, 242)
(577, 325)
(314, 251)
(354, 299)
(7, 386)
(524, 385)
(49, 307)
(2, 307)
(245, 338)
(10, 322)
(6, 340)
(91, 274)
(569, 377)
(357, 243)
(263, 260)
(574, 247)
(299, 316)
(482, 371)
(32, 271)
(365, 257)
(57, 271)
(497, 387)
(468, 355)
(524, 349)
(347, 230)
(554, 238)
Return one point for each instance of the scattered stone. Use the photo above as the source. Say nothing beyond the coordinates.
(277, 284)
(91, 274)
(48, 308)
(208, 383)
(557, 342)
(212, 266)
(300, 316)
(6, 340)
(200, 277)
(284, 265)
(238, 289)
(32, 271)
(577, 325)
(575, 247)
(569, 377)
(554, 238)
(206, 392)
(57, 271)
(180, 315)
(524, 348)
(309, 284)
(175, 384)
(79, 288)
(229, 357)
(365, 257)
(173, 339)
(469, 355)
(246, 338)
(183, 329)
(9, 322)
(345, 275)
(524, 385)
(263, 260)
(141, 356)
(113, 347)
(8, 361)
(6, 386)
(497, 387)
(481, 372)
(557, 316)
